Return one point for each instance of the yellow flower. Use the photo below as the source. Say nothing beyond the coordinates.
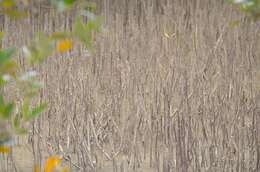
(5, 149)
(65, 45)
(52, 163)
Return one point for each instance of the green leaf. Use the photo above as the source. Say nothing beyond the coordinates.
(83, 34)
(62, 5)
(94, 25)
(15, 14)
(2, 81)
(17, 125)
(16, 121)
(69, 2)
(37, 85)
(7, 4)
(1, 100)
(10, 68)
(37, 111)
(60, 35)
(6, 55)
(8, 111)
(2, 107)
(1, 35)
(26, 109)
(5, 110)
(40, 49)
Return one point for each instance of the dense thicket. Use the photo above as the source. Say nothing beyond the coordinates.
(172, 87)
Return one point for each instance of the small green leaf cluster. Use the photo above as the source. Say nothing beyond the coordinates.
(251, 7)
(10, 8)
(10, 74)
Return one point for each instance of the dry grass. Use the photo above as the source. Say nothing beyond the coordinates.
(145, 102)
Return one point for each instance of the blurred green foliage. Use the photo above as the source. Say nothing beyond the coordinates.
(62, 5)
(250, 7)
(39, 49)
(15, 114)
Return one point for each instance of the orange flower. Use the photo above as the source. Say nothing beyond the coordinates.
(5, 149)
(37, 169)
(65, 45)
(52, 163)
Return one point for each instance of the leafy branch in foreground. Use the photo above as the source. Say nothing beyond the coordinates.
(14, 116)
